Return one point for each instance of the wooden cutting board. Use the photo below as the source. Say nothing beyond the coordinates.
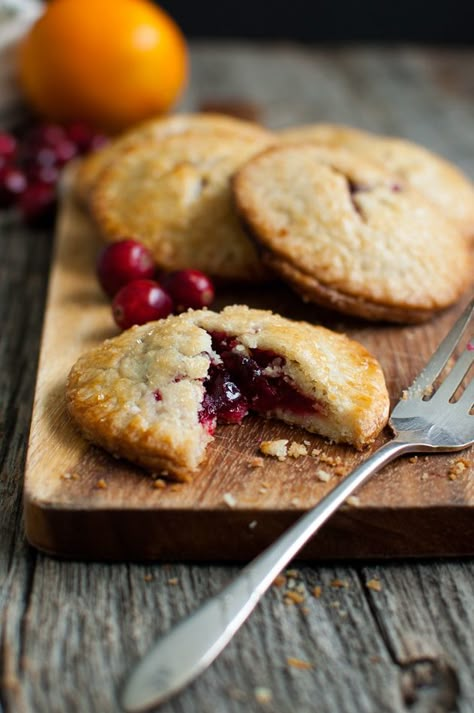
(82, 503)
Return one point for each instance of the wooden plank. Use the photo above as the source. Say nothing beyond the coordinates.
(65, 508)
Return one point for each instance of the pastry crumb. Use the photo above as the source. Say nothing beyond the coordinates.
(66, 476)
(413, 459)
(424, 475)
(374, 584)
(294, 573)
(458, 467)
(297, 449)
(340, 584)
(229, 500)
(279, 580)
(255, 462)
(330, 460)
(298, 663)
(292, 597)
(316, 452)
(276, 449)
(295, 501)
(263, 695)
(173, 581)
(159, 484)
(101, 484)
(353, 500)
(317, 591)
(323, 475)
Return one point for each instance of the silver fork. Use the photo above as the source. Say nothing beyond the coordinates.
(421, 423)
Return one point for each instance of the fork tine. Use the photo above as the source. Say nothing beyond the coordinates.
(439, 359)
(456, 375)
(467, 398)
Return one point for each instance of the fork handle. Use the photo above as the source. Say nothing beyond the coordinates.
(187, 649)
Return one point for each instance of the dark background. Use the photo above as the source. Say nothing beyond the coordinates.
(437, 22)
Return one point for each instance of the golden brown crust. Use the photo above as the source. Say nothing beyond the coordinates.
(349, 235)
(175, 197)
(139, 395)
(154, 130)
(437, 179)
(311, 290)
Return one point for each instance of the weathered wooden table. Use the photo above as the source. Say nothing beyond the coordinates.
(70, 631)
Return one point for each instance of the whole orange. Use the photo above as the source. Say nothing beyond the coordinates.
(109, 62)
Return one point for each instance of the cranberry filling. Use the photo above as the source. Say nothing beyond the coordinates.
(239, 384)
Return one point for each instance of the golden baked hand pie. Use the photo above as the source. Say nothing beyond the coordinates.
(153, 131)
(347, 234)
(155, 393)
(175, 197)
(437, 179)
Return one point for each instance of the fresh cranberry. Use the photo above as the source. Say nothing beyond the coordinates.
(189, 289)
(81, 134)
(41, 156)
(37, 203)
(45, 135)
(98, 141)
(43, 174)
(139, 302)
(12, 184)
(122, 262)
(8, 146)
(64, 151)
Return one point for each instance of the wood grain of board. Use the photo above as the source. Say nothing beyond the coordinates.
(81, 502)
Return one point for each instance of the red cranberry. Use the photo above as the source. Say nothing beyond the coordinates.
(45, 135)
(122, 262)
(8, 146)
(43, 174)
(12, 184)
(64, 151)
(98, 141)
(189, 288)
(42, 156)
(139, 302)
(81, 134)
(37, 203)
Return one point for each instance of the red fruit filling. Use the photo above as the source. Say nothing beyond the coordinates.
(240, 385)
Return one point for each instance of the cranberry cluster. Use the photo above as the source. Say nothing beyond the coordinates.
(31, 165)
(126, 271)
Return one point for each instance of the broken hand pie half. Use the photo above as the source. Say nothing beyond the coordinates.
(154, 394)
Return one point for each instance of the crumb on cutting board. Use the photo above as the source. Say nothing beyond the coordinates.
(276, 449)
(255, 462)
(323, 475)
(296, 450)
